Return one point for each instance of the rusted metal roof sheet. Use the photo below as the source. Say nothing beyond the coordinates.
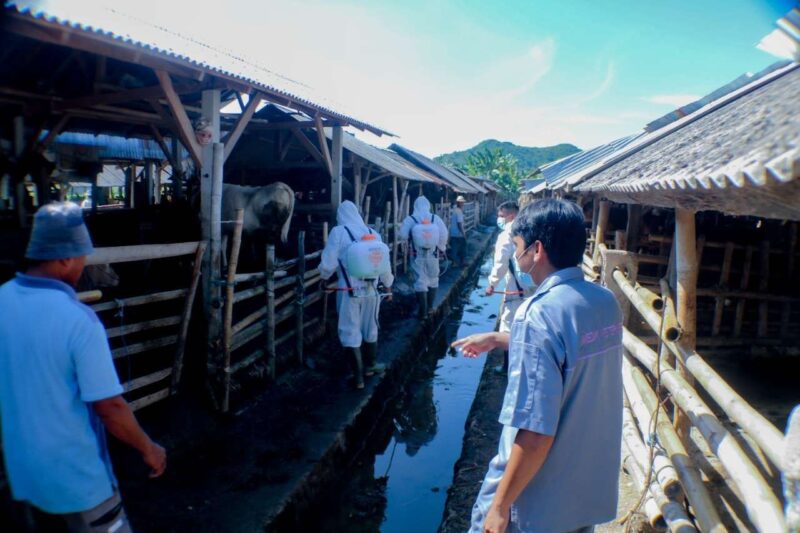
(382, 159)
(739, 155)
(106, 24)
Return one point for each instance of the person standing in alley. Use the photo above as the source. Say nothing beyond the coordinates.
(518, 284)
(458, 234)
(59, 388)
(357, 298)
(427, 235)
(557, 466)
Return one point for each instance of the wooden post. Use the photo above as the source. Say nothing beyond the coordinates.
(719, 304)
(325, 293)
(686, 293)
(188, 304)
(633, 227)
(130, 177)
(300, 294)
(600, 231)
(357, 184)
(395, 221)
(157, 185)
(210, 217)
(790, 260)
(366, 209)
(387, 220)
(336, 173)
(269, 278)
(763, 286)
(745, 281)
(230, 285)
(619, 240)
(148, 183)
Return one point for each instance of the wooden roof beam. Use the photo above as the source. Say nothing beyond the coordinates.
(172, 158)
(247, 113)
(143, 93)
(184, 125)
(309, 146)
(323, 143)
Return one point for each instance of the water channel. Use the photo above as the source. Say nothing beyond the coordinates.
(399, 481)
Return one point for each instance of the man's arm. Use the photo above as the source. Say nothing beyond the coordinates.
(479, 343)
(329, 261)
(119, 420)
(527, 457)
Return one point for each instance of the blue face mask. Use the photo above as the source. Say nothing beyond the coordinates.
(501, 223)
(524, 278)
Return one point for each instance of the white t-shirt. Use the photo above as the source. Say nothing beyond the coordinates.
(456, 218)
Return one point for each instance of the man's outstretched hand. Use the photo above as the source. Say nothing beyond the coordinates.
(474, 345)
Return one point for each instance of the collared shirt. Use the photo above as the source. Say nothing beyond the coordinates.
(54, 362)
(564, 380)
(456, 221)
(504, 250)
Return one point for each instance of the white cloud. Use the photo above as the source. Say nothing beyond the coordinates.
(674, 100)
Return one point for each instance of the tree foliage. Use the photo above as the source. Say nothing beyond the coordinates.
(500, 167)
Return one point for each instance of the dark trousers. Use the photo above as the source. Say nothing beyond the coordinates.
(458, 248)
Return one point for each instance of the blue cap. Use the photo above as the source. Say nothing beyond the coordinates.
(59, 233)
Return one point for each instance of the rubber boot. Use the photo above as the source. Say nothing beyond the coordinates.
(354, 355)
(422, 300)
(431, 297)
(371, 366)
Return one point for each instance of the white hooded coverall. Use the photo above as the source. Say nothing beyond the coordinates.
(504, 250)
(425, 264)
(358, 314)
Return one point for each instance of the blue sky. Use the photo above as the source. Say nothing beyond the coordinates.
(445, 74)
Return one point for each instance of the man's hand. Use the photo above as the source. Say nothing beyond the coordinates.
(474, 345)
(489, 290)
(388, 292)
(156, 458)
(496, 521)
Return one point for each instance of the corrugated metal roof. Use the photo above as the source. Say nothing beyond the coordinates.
(457, 183)
(573, 167)
(381, 158)
(470, 179)
(740, 155)
(108, 24)
(401, 161)
(110, 146)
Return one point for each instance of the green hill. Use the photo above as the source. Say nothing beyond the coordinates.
(527, 157)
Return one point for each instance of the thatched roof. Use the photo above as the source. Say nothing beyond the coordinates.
(739, 155)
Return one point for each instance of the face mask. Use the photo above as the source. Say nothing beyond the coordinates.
(501, 223)
(524, 278)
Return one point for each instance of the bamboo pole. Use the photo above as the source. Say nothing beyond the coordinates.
(186, 314)
(633, 227)
(763, 286)
(300, 295)
(672, 512)
(269, 276)
(214, 265)
(719, 303)
(644, 401)
(395, 209)
(366, 209)
(620, 242)
(227, 325)
(663, 471)
(600, 231)
(646, 307)
(760, 429)
(745, 281)
(761, 504)
(651, 510)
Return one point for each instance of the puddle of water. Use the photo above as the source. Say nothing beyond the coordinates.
(399, 483)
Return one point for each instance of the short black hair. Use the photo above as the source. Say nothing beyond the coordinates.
(558, 225)
(509, 206)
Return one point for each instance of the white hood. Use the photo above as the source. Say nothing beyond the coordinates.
(347, 215)
(422, 207)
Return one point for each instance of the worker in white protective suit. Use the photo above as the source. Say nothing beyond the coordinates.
(357, 297)
(427, 236)
(518, 285)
